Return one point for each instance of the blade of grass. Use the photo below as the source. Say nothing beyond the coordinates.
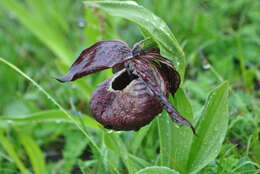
(114, 143)
(52, 100)
(58, 105)
(9, 148)
(137, 138)
(34, 152)
(139, 162)
(49, 116)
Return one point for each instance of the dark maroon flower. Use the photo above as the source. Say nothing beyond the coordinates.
(138, 90)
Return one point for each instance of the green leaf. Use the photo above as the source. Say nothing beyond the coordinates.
(49, 116)
(165, 125)
(152, 24)
(114, 143)
(138, 162)
(137, 139)
(10, 149)
(211, 130)
(183, 136)
(157, 170)
(175, 142)
(34, 152)
(92, 32)
(70, 153)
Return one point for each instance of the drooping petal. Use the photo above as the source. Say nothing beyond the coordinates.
(100, 56)
(148, 73)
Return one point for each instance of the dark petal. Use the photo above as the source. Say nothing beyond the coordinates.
(172, 75)
(175, 115)
(145, 71)
(150, 74)
(168, 69)
(100, 56)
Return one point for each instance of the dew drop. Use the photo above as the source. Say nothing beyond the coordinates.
(58, 121)
(206, 66)
(110, 131)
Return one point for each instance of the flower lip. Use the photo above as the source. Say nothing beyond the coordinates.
(122, 80)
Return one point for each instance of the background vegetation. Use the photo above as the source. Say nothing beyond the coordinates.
(42, 37)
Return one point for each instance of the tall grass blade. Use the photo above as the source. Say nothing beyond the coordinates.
(49, 116)
(52, 100)
(10, 149)
(34, 152)
(114, 143)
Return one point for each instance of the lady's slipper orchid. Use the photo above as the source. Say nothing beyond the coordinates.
(138, 90)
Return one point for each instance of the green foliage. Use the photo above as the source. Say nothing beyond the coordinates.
(9, 148)
(157, 169)
(34, 152)
(150, 23)
(38, 132)
(211, 129)
(37, 22)
(176, 141)
(49, 116)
